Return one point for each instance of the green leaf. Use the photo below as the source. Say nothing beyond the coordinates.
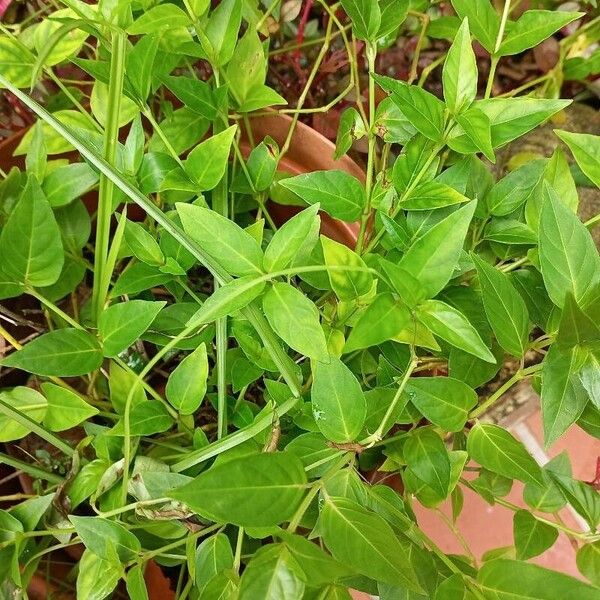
(295, 319)
(504, 579)
(393, 14)
(589, 376)
(432, 258)
(30, 242)
(444, 401)
(27, 401)
(97, 578)
(183, 128)
(120, 325)
(16, 62)
(427, 457)
(568, 255)
(66, 409)
(365, 16)
(351, 128)
(452, 326)
(186, 386)
(197, 95)
(509, 231)
(213, 555)
(563, 395)
(146, 418)
(228, 299)
(588, 561)
(383, 320)
(498, 451)
(586, 150)
(532, 537)
(221, 32)
(515, 189)
(364, 541)
(422, 109)
(137, 278)
(505, 309)
(338, 402)
(460, 71)
(319, 568)
(273, 574)
(207, 162)
(135, 584)
(258, 490)
(483, 19)
(62, 352)
(142, 244)
(576, 327)
(478, 128)
(65, 184)
(225, 241)
(339, 194)
(353, 281)
(431, 195)
(558, 175)
(390, 122)
(533, 27)
(104, 537)
(139, 65)
(289, 239)
(159, 19)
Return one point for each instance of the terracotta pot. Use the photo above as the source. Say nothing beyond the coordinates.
(308, 151)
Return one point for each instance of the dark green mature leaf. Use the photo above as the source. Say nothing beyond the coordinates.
(478, 128)
(290, 238)
(363, 540)
(186, 385)
(510, 118)
(339, 194)
(532, 537)
(206, 163)
(65, 408)
(393, 14)
(258, 490)
(104, 538)
(563, 395)
(225, 241)
(533, 27)
(383, 320)
(354, 279)
(483, 20)
(568, 255)
(273, 574)
(146, 418)
(505, 309)
(422, 109)
(142, 244)
(295, 319)
(444, 401)
(66, 183)
(513, 190)
(137, 278)
(504, 579)
(433, 257)
(338, 402)
(460, 71)
(586, 150)
(228, 299)
(140, 63)
(588, 561)
(319, 568)
(498, 451)
(452, 326)
(365, 16)
(194, 93)
(426, 456)
(213, 555)
(30, 241)
(120, 325)
(62, 352)
(576, 328)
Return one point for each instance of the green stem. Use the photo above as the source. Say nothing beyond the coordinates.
(237, 561)
(495, 57)
(518, 376)
(106, 187)
(32, 470)
(366, 215)
(55, 309)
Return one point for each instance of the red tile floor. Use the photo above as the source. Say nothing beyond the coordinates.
(486, 527)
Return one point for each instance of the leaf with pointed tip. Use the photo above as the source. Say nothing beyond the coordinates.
(460, 71)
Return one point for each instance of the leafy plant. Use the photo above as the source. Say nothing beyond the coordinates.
(231, 378)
